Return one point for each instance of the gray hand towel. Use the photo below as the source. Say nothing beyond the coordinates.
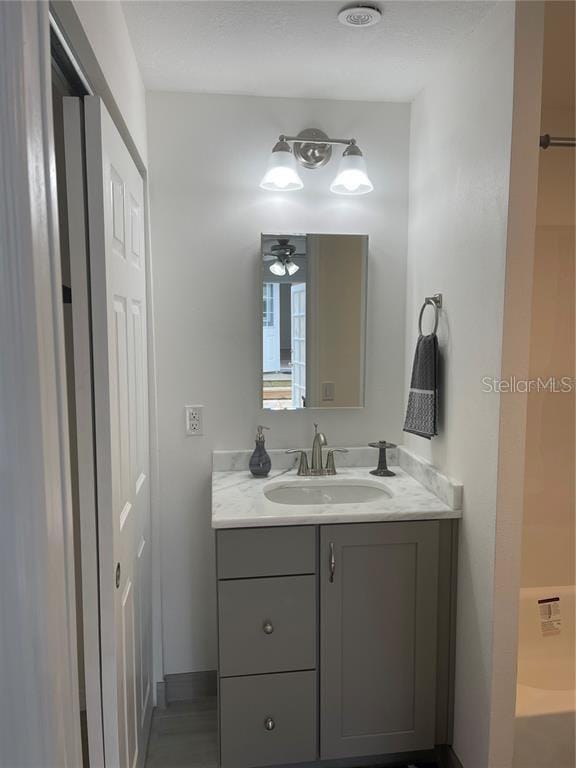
(422, 407)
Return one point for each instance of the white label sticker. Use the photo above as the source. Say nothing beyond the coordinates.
(550, 616)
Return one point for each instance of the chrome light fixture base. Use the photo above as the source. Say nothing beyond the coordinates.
(312, 154)
(312, 148)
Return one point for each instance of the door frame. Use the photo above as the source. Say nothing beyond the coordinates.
(67, 26)
(40, 722)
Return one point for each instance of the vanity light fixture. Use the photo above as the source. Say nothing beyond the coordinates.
(313, 149)
(352, 177)
(282, 173)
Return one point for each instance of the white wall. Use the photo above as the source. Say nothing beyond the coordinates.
(459, 176)
(206, 157)
(105, 27)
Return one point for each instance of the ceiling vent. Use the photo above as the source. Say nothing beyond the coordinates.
(360, 16)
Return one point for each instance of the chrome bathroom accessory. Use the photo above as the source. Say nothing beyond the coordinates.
(303, 468)
(312, 148)
(432, 301)
(318, 443)
(330, 468)
(556, 141)
(382, 468)
(332, 562)
(317, 469)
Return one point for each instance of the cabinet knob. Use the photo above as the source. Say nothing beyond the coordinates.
(267, 628)
(269, 724)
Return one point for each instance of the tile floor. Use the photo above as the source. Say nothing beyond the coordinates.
(184, 735)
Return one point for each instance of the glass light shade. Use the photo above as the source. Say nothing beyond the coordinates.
(352, 177)
(277, 268)
(291, 268)
(281, 174)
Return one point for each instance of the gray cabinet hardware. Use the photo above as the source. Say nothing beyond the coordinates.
(269, 724)
(267, 628)
(332, 562)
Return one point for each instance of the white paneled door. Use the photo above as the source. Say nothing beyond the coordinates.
(118, 297)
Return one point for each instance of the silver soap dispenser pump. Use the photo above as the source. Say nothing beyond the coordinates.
(260, 463)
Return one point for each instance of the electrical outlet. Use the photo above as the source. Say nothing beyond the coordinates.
(193, 420)
(328, 389)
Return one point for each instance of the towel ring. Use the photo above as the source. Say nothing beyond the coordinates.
(432, 301)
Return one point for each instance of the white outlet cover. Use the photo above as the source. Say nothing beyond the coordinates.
(193, 420)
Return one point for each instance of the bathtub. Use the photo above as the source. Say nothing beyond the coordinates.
(545, 698)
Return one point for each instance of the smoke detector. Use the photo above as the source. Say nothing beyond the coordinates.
(360, 16)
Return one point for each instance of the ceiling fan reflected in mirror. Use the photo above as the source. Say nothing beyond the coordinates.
(282, 253)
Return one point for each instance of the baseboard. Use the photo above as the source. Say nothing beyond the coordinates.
(189, 686)
(446, 757)
(161, 695)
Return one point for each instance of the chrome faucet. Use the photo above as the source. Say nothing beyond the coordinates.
(319, 442)
(317, 468)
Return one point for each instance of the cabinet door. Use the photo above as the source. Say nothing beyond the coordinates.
(379, 586)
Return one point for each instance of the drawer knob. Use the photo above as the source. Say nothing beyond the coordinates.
(267, 628)
(269, 724)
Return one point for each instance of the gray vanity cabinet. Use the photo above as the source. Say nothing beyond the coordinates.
(378, 598)
(334, 641)
(267, 646)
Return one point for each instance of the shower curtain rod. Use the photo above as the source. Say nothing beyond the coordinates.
(556, 141)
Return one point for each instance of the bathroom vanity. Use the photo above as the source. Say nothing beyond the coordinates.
(335, 617)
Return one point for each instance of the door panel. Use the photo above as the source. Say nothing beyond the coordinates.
(271, 328)
(298, 313)
(378, 638)
(118, 283)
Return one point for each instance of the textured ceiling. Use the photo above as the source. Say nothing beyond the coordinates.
(295, 49)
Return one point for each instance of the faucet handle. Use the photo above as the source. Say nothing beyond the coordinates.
(330, 465)
(303, 468)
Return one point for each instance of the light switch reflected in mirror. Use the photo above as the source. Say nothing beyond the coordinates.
(313, 320)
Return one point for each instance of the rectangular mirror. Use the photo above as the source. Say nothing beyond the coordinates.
(313, 320)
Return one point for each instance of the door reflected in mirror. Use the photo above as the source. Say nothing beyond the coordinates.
(313, 320)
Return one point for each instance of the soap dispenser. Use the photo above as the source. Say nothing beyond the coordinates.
(260, 463)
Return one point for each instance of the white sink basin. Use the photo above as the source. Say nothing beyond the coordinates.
(324, 490)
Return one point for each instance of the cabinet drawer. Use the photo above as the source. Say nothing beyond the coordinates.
(287, 702)
(249, 552)
(267, 625)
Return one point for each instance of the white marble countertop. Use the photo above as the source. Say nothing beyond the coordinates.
(238, 501)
